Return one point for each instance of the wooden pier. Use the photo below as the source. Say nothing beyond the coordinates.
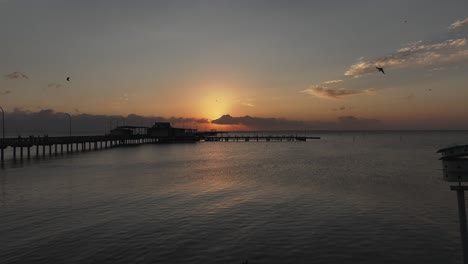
(257, 138)
(60, 145)
(24, 147)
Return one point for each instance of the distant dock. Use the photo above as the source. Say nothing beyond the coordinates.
(258, 138)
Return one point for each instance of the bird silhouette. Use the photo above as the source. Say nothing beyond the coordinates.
(68, 79)
(380, 69)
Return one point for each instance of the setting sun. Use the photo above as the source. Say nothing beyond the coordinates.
(215, 101)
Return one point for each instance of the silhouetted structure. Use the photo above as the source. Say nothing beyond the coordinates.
(160, 132)
(69, 144)
(164, 132)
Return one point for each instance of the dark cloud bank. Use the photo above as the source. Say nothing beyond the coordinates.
(21, 122)
(48, 121)
(259, 123)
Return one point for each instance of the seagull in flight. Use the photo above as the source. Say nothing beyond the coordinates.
(68, 79)
(380, 69)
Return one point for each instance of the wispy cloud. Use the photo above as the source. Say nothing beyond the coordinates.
(6, 92)
(54, 85)
(450, 43)
(16, 76)
(334, 93)
(332, 81)
(447, 50)
(246, 102)
(459, 24)
(437, 69)
(343, 108)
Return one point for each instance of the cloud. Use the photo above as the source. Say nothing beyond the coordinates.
(125, 97)
(444, 52)
(360, 123)
(181, 120)
(246, 102)
(332, 81)
(459, 23)
(449, 50)
(451, 43)
(48, 121)
(436, 69)
(6, 92)
(343, 108)
(334, 93)
(16, 75)
(54, 85)
(259, 122)
(270, 123)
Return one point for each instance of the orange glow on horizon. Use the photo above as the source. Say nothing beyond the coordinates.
(215, 100)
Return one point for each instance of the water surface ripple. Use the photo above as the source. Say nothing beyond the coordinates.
(347, 198)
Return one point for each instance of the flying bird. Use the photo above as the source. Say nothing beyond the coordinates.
(380, 69)
(68, 79)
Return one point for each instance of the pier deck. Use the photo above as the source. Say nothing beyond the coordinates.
(59, 145)
(70, 144)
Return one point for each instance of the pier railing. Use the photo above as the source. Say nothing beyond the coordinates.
(45, 140)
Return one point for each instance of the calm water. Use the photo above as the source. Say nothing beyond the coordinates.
(374, 200)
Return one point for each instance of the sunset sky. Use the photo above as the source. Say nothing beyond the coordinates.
(307, 61)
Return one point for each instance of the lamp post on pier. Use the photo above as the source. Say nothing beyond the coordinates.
(3, 135)
(3, 123)
(69, 124)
